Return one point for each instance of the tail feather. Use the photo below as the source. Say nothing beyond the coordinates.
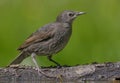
(19, 58)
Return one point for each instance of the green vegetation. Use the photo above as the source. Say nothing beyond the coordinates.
(96, 35)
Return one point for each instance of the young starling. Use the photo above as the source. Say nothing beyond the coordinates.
(49, 39)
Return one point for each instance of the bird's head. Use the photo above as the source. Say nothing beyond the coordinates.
(68, 16)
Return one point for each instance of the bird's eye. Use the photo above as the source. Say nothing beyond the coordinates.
(71, 14)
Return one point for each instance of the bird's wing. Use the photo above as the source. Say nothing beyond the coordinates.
(38, 36)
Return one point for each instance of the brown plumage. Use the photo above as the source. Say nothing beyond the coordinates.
(49, 39)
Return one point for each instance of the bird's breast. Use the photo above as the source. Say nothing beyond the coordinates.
(60, 39)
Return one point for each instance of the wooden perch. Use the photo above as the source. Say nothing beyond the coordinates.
(93, 72)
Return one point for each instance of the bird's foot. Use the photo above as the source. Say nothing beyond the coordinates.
(40, 72)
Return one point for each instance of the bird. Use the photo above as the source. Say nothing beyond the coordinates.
(49, 39)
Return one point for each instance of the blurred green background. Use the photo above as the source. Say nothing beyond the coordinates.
(96, 35)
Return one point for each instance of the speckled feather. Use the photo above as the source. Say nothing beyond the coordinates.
(49, 39)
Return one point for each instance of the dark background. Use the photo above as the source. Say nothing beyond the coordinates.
(96, 35)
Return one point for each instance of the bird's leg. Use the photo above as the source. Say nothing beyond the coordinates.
(33, 55)
(50, 59)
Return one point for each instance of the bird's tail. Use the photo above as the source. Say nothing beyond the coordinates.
(19, 58)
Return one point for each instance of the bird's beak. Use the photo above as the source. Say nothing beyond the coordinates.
(80, 13)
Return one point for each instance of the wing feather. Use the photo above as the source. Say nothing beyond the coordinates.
(38, 36)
